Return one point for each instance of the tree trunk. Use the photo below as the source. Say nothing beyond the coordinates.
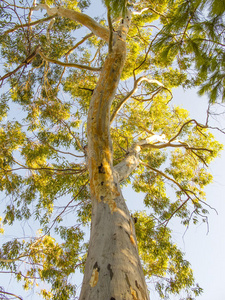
(113, 270)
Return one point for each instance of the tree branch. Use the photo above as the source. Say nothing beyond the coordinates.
(23, 167)
(54, 61)
(181, 144)
(28, 24)
(64, 209)
(185, 191)
(145, 9)
(10, 294)
(81, 18)
(182, 127)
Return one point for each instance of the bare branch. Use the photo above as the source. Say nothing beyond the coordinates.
(140, 12)
(131, 161)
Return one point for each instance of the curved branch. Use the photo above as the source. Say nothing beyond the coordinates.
(54, 61)
(146, 55)
(182, 127)
(10, 294)
(140, 12)
(131, 161)
(81, 18)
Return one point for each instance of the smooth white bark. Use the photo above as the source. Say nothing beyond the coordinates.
(81, 18)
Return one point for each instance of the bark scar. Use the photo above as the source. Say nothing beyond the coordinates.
(95, 274)
(132, 291)
(110, 271)
(131, 234)
(140, 289)
(101, 169)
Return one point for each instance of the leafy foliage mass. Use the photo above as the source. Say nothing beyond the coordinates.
(43, 109)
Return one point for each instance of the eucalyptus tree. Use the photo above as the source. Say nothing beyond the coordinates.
(86, 109)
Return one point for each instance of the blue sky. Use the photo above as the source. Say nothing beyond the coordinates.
(206, 251)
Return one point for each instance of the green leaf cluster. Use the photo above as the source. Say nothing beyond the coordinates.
(163, 262)
(192, 34)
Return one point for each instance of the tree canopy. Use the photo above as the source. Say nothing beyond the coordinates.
(51, 63)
